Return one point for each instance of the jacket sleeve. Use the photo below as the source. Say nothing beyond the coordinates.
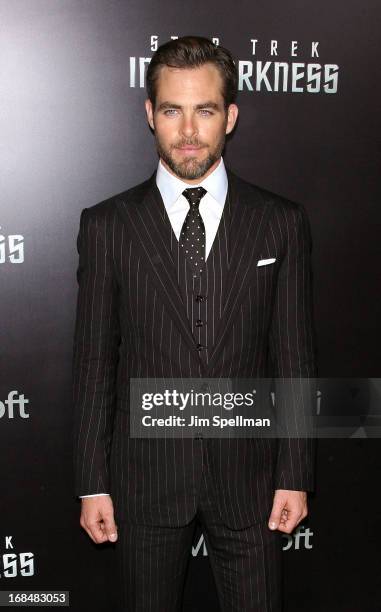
(95, 356)
(292, 350)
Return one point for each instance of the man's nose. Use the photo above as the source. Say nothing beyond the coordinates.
(188, 126)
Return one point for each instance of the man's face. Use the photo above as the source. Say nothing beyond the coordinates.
(189, 120)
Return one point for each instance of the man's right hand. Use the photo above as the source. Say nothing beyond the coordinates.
(97, 518)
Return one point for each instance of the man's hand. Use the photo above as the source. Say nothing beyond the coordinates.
(97, 518)
(289, 508)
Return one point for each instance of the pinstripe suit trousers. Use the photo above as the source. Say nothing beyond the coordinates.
(153, 560)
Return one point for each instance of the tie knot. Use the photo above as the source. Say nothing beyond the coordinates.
(194, 195)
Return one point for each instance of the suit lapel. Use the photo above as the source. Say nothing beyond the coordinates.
(250, 215)
(146, 221)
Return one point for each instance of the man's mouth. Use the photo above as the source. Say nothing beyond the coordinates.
(189, 148)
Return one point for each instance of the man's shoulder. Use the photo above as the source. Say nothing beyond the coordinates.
(257, 195)
(107, 207)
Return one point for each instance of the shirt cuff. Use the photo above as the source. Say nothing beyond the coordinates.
(94, 495)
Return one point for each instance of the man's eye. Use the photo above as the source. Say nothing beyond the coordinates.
(205, 111)
(170, 111)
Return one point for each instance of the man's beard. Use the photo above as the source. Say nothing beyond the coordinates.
(190, 168)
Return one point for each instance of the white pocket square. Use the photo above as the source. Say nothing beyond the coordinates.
(265, 262)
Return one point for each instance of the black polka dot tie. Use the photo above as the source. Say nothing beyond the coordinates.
(192, 236)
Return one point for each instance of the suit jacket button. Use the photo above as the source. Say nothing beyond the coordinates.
(200, 346)
(205, 387)
(200, 298)
(199, 323)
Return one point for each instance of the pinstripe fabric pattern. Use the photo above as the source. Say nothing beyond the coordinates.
(246, 563)
(132, 321)
(203, 314)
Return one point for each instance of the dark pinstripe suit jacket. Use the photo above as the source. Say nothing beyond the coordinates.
(131, 322)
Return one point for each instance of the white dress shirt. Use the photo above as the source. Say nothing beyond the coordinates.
(177, 206)
(211, 205)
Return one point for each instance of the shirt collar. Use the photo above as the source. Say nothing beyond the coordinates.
(171, 187)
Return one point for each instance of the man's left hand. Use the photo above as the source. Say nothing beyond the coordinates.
(289, 508)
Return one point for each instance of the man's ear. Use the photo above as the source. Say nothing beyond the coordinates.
(232, 118)
(149, 111)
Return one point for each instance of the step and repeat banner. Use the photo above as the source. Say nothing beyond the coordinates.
(73, 132)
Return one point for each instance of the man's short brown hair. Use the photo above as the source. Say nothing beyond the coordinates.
(192, 52)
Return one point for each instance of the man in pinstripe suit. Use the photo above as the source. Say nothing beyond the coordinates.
(145, 310)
